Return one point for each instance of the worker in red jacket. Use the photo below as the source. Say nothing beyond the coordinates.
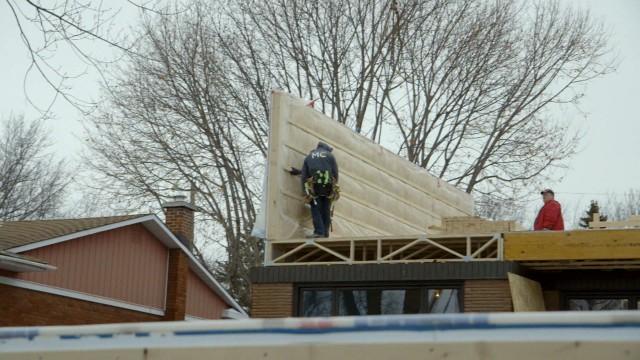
(550, 215)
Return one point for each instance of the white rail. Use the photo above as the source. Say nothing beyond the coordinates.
(550, 335)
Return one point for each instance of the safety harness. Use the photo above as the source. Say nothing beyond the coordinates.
(321, 184)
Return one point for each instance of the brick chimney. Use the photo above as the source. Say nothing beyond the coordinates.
(179, 216)
(179, 219)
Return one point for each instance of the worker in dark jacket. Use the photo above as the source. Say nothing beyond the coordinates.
(319, 182)
(550, 215)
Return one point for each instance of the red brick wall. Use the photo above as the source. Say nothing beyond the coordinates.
(180, 221)
(177, 285)
(23, 307)
(487, 295)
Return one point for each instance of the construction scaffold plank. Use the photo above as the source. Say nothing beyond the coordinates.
(385, 249)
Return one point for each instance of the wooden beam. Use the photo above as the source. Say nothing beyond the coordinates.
(352, 250)
(572, 245)
(326, 249)
(409, 245)
(452, 252)
(290, 252)
(307, 255)
(426, 246)
(483, 247)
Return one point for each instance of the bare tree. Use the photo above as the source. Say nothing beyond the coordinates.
(462, 88)
(478, 87)
(168, 125)
(466, 86)
(85, 30)
(621, 207)
(32, 183)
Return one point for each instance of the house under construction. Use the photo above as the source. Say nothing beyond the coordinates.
(406, 242)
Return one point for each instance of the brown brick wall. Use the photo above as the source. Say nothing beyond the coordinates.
(23, 307)
(177, 285)
(487, 295)
(271, 300)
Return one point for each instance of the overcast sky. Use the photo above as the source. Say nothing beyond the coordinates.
(608, 162)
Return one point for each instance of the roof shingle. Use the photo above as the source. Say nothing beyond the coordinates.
(18, 233)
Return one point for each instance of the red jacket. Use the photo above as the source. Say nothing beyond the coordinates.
(549, 217)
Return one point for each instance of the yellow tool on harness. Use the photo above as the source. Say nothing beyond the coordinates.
(310, 190)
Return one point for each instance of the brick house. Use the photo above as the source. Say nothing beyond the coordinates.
(107, 270)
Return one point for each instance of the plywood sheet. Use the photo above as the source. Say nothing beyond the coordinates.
(382, 194)
(526, 294)
(572, 245)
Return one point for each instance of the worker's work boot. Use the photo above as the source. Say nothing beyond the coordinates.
(314, 236)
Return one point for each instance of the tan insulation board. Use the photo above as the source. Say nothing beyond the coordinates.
(526, 294)
(382, 194)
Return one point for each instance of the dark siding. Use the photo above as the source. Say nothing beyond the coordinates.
(384, 272)
(589, 280)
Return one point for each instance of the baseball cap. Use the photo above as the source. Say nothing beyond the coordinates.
(547, 191)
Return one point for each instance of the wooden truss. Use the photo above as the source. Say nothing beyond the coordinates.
(385, 249)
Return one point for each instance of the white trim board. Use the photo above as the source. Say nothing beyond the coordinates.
(162, 232)
(18, 263)
(78, 295)
(193, 318)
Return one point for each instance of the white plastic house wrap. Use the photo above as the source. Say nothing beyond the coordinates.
(501, 336)
(382, 194)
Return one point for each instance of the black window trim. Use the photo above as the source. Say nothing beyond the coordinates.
(334, 287)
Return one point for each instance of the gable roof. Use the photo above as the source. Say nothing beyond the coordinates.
(19, 236)
(18, 233)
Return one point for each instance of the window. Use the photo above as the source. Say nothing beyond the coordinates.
(598, 304)
(592, 301)
(317, 303)
(377, 300)
(443, 301)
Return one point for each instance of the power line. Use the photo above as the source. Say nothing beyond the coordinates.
(588, 193)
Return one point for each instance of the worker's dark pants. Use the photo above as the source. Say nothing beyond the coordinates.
(321, 214)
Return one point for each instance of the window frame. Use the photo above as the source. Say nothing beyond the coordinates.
(633, 297)
(335, 287)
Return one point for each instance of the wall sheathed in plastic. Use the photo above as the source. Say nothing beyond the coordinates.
(382, 194)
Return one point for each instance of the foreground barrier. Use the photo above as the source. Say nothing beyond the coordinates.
(549, 335)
